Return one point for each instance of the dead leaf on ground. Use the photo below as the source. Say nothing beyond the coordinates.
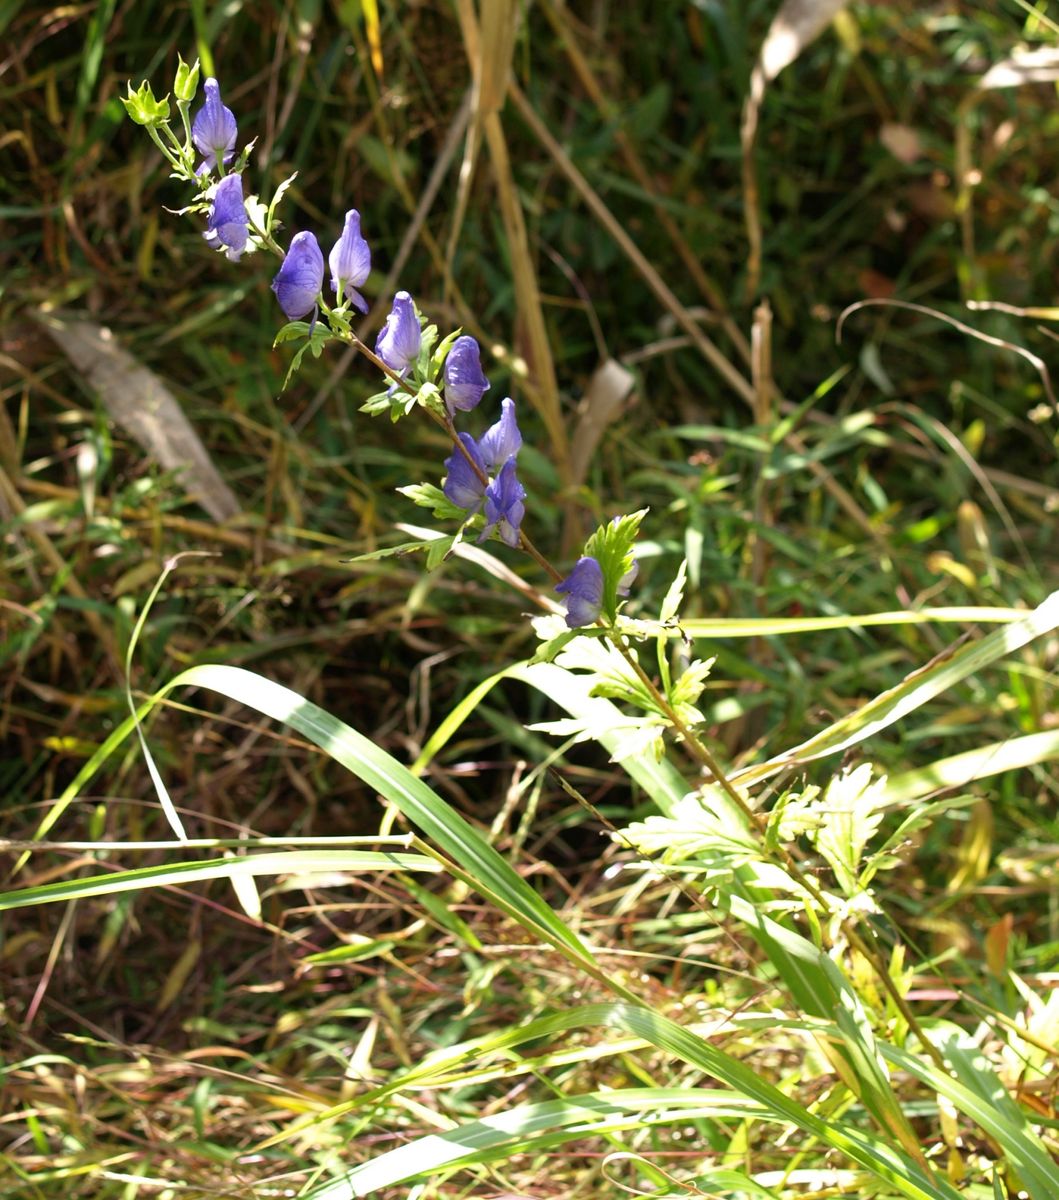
(1040, 65)
(141, 403)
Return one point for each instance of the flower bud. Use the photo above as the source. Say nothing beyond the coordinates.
(144, 108)
(187, 80)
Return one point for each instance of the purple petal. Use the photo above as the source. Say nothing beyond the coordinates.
(350, 262)
(214, 130)
(463, 486)
(501, 441)
(504, 508)
(226, 226)
(399, 339)
(300, 278)
(464, 382)
(584, 592)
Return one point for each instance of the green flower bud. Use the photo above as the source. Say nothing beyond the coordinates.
(144, 108)
(187, 80)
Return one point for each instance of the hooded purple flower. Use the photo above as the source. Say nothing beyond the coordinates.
(226, 226)
(399, 339)
(502, 440)
(214, 129)
(583, 588)
(300, 278)
(464, 382)
(350, 262)
(627, 580)
(463, 487)
(504, 508)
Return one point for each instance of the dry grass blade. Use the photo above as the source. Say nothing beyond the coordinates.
(796, 24)
(140, 402)
(1038, 364)
(629, 248)
(489, 49)
(561, 23)
(604, 399)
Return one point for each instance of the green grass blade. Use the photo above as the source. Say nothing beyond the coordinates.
(913, 692)
(978, 1093)
(768, 1102)
(293, 862)
(452, 722)
(534, 1127)
(961, 769)
(749, 627)
(488, 871)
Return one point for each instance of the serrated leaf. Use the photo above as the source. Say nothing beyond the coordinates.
(290, 331)
(440, 548)
(376, 404)
(549, 649)
(611, 546)
(428, 495)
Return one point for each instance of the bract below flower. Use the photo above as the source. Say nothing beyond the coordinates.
(350, 262)
(214, 130)
(299, 280)
(627, 580)
(465, 384)
(463, 486)
(583, 588)
(226, 227)
(399, 339)
(503, 440)
(504, 508)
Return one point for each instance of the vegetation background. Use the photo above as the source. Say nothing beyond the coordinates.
(154, 1042)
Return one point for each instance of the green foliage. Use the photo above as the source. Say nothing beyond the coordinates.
(611, 546)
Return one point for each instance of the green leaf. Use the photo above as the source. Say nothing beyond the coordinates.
(293, 862)
(611, 546)
(428, 495)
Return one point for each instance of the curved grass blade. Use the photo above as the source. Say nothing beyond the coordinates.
(483, 867)
(750, 627)
(961, 769)
(913, 692)
(293, 862)
(535, 1127)
(764, 1099)
(978, 1093)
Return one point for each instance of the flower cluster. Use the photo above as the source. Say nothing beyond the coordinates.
(299, 282)
(483, 473)
(446, 379)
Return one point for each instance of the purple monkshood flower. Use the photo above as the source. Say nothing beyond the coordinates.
(464, 382)
(583, 588)
(214, 130)
(463, 487)
(300, 278)
(226, 227)
(399, 339)
(627, 580)
(502, 440)
(504, 508)
(350, 262)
